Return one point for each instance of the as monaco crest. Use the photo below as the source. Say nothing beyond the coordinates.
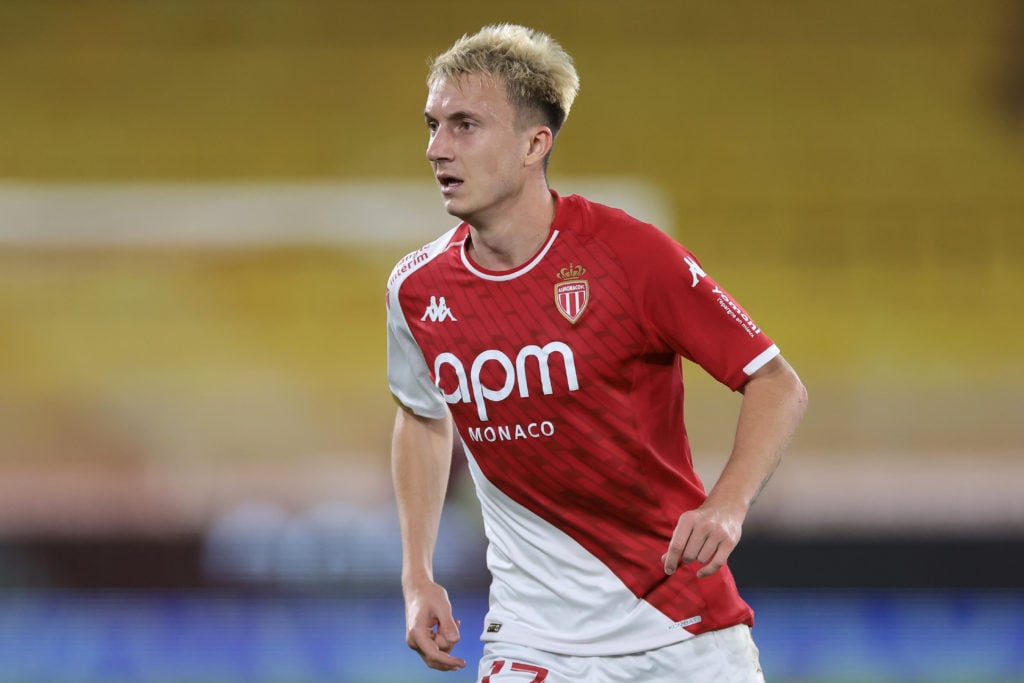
(572, 294)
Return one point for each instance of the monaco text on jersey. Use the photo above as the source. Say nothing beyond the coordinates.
(471, 388)
(533, 430)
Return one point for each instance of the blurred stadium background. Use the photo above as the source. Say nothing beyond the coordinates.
(200, 203)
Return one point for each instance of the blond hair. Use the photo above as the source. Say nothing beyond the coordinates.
(538, 74)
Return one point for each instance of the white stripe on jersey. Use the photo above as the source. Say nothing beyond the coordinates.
(516, 272)
(542, 577)
(761, 360)
(408, 375)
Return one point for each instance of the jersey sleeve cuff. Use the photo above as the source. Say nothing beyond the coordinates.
(420, 409)
(761, 360)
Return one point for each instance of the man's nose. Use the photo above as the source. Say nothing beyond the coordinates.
(439, 147)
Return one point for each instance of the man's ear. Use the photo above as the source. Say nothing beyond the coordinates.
(540, 145)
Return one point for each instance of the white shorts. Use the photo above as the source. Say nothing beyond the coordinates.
(726, 656)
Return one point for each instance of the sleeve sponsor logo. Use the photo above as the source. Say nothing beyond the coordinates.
(407, 263)
(734, 311)
(731, 308)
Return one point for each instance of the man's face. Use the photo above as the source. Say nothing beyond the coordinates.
(476, 149)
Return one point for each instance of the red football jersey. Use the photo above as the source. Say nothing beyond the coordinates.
(563, 378)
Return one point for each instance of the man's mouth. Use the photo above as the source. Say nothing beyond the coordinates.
(448, 183)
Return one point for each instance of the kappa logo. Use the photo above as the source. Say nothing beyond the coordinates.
(695, 270)
(572, 294)
(438, 311)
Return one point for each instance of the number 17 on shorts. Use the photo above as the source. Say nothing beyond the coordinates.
(539, 673)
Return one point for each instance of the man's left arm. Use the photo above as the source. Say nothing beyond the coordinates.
(774, 401)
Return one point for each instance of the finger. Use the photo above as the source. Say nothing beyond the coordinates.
(433, 655)
(717, 561)
(442, 661)
(694, 545)
(420, 640)
(710, 547)
(670, 559)
(447, 635)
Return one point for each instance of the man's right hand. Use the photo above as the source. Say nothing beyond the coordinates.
(431, 629)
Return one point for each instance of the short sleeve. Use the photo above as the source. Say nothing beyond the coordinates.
(409, 378)
(686, 310)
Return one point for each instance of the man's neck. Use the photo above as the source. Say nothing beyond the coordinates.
(514, 237)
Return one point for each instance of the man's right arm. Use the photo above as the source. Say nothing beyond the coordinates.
(421, 451)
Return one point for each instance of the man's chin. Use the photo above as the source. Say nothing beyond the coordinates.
(455, 208)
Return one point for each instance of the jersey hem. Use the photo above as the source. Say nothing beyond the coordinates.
(525, 638)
